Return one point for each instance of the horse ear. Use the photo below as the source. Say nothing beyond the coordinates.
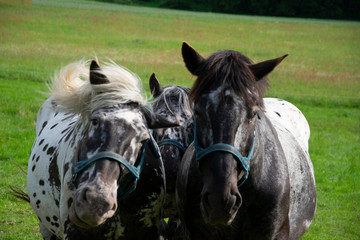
(156, 121)
(155, 87)
(191, 58)
(261, 69)
(95, 76)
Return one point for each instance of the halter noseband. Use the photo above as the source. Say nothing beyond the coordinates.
(169, 141)
(130, 181)
(223, 147)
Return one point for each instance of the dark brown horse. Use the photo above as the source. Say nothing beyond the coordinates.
(243, 177)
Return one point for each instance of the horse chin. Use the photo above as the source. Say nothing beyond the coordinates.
(75, 219)
(88, 222)
(216, 218)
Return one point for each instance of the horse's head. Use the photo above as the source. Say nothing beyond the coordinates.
(109, 155)
(172, 103)
(226, 99)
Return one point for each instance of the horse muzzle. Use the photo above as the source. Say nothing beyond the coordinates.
(93, 206)
(220, 209)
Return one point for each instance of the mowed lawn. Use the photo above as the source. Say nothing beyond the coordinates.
(321, 77)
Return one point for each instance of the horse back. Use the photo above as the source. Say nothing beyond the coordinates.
(285, 115)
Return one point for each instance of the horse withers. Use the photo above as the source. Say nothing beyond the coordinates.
(95, 171)
(245, 176)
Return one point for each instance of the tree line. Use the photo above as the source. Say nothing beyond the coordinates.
(328, 9)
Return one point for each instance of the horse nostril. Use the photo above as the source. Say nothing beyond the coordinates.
(205, 200)
(238, 201)
(84, 195)
(114, 207)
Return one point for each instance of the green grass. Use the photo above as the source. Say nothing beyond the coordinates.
(321, 76)
(20, 101)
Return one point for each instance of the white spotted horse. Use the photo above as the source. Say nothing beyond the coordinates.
(172, 103)
(95, 171)
(245, 176)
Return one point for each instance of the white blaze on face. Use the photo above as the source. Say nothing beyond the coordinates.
(214, 98)
(227, 93)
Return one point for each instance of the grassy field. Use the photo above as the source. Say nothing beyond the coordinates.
(321, 76)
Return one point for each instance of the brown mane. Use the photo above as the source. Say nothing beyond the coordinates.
(229, 69)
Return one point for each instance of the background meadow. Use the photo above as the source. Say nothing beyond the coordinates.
(321, 77)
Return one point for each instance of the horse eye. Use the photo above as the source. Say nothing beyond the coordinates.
(94, 122)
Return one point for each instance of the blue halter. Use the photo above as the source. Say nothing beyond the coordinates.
(222, 147)
(169, 141)
(130, 181)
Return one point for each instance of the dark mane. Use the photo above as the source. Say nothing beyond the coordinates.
(229, 69)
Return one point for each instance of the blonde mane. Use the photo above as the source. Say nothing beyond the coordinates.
(73, 92)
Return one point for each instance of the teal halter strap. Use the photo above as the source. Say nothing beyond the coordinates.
(129, 183)
(169, 141)
(82, 165)
(222, 147)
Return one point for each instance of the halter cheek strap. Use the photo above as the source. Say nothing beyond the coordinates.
(222, 147)
(130, 182)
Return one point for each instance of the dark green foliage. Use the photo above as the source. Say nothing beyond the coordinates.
(330, 9)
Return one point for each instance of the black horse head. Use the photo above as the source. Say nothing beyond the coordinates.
(227, 101)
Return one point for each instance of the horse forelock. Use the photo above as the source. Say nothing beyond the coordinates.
(228, 69)
(73, 92)
(181, 93)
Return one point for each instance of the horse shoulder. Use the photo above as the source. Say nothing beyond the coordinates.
(269, 168)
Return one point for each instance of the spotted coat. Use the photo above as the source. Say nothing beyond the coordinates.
(248, 174)
(52, 194)
(111, 119)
